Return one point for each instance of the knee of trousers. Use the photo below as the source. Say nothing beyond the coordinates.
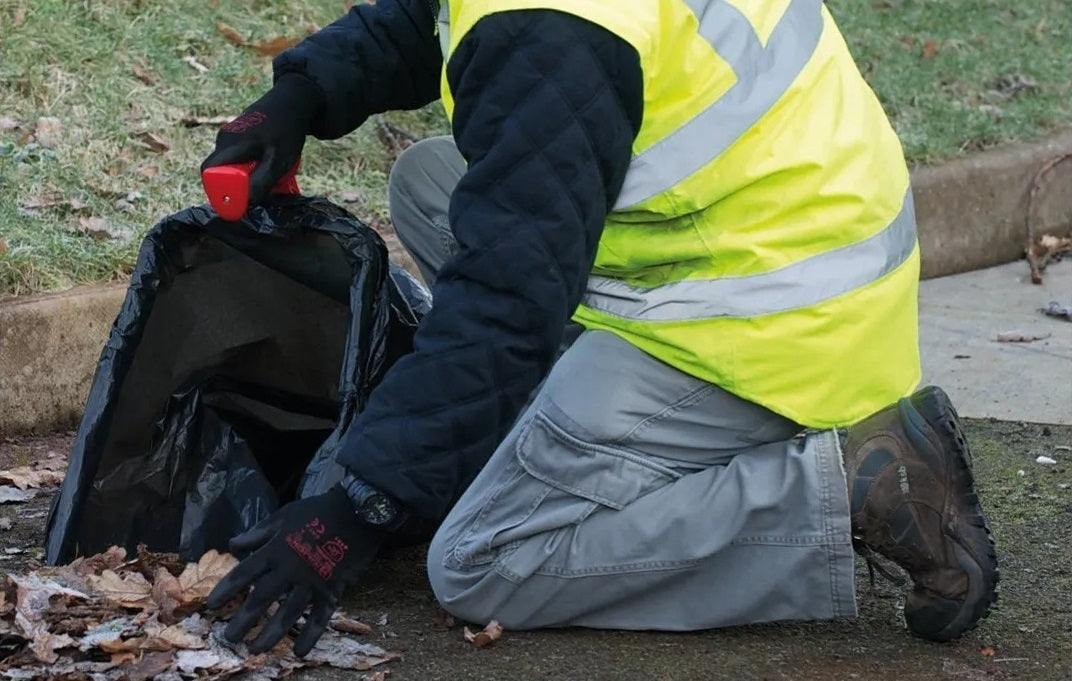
(422, 178)
(473, 594)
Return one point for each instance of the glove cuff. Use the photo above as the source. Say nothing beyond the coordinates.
(300, 95)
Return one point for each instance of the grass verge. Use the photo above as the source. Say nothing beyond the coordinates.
(120, 78)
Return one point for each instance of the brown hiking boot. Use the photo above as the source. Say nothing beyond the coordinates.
(912, 499)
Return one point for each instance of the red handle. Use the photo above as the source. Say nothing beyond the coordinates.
(227, 187)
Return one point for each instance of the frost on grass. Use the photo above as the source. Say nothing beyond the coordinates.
(107, 617)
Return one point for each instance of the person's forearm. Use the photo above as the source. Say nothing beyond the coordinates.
(547, 149)
(375, 58)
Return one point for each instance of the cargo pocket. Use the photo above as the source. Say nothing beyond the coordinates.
(550, 481)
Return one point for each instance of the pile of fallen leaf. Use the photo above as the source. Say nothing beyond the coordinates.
(108, 617)
(23, 482)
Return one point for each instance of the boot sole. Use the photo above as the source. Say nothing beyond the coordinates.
(931, 408)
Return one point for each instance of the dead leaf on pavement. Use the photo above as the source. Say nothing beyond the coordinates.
(273, 46)
(444, 621)
(107, 627)
(48, 131)
(129, 590)
(151, 141)
(200, 578)
(930, 48)
(25, 477)
(10, 494)
(1020, 336)
(231, 35)
(349, 626)
(148, 562)
(485, 637)
(94, 565)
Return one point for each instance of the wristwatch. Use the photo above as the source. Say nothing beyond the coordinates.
(372, 506)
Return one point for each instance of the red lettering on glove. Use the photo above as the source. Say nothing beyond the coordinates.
(322, 556)
(245, 122)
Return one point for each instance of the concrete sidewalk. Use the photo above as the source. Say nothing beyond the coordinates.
(960, 317)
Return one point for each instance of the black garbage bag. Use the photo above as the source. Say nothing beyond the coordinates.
(237, 362)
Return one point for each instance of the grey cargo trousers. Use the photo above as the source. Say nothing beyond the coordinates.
(629, 495)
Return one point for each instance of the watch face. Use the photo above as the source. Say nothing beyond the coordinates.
(378, 510)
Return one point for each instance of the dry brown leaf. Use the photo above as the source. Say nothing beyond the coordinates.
(148, 562)
(273, 46)
(167, 594)
(350, 197)
(200, 578)
(144, 75)
(129, 590)
(25, 477)
(377, 676)
(231, 35)
(930, 48)
(94, 565)
(350, 626)
(149, 172)
(48, 131)
(124, 658)
(150, 666)
(95, 227)
(194, 121)
(152, 141)
(8, 123)
(175, 637)
(486, 636)
(1020, 336)
(53, 201)
(443, 621)
(45, 645)
(348, 653)
(123, 645)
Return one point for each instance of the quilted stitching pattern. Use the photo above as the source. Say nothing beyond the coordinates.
(547, 107)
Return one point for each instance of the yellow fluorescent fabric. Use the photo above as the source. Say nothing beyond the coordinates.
(764, 239)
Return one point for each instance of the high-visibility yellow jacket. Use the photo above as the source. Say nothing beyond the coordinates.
(764, 238)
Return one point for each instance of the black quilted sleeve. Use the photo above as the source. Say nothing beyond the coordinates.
(547, 107)
(377, 57)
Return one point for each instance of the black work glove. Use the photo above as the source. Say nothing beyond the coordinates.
(303, 554)
(271, 131)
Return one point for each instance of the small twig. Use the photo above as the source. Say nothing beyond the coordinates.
(1032, 259)
(1010, 659)
(393, 137)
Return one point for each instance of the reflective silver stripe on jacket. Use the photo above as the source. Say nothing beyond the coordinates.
(802, 284)
(763, 75)
(443, 26)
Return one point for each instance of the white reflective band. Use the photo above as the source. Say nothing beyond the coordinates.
(802, 284)
(763, 75)
(443, 24)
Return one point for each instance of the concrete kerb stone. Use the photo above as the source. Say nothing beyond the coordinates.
(49, 347)
(972, 214)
